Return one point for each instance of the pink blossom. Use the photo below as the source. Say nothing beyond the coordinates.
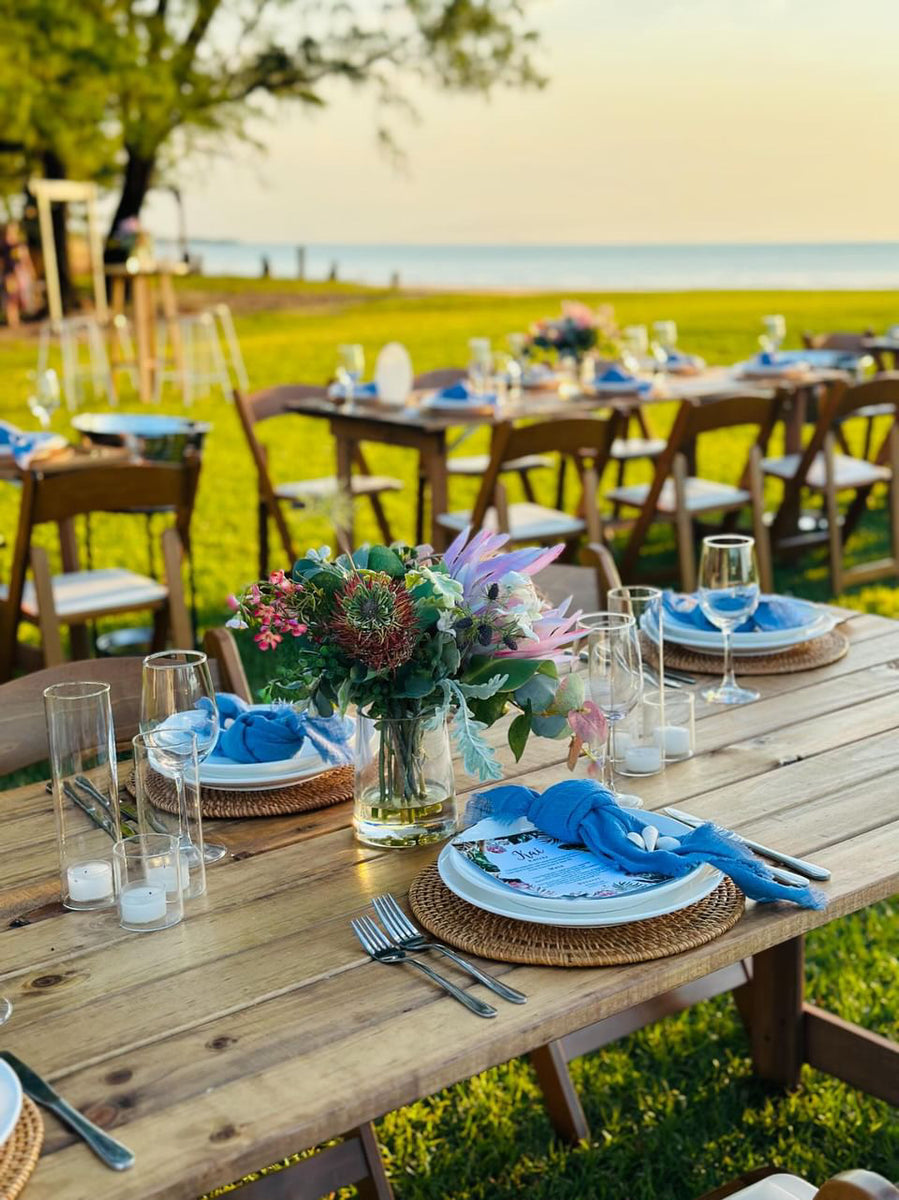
(588, 723)
(233, 603)
(267, 639)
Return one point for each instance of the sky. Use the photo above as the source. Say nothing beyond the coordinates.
(663, 121)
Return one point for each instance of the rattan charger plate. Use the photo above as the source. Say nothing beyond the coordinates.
(20, 1152)
(818, 652)
(307, 795)
(471, 929)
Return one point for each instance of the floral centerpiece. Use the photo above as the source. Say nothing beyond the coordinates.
(421, 644)
(578, 330)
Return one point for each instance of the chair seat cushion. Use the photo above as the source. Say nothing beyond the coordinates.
(327, 485)
(97, 592)
(776, 1187)
(527, 522)
(477, 464)
(703, 495)
(637, 447)
(848, 472)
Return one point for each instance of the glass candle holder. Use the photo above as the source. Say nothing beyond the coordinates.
(148, 882)
(636, 748)
(675, 721)
(167, 786)
(85, 790)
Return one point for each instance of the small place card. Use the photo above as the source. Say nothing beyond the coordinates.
(531, 861)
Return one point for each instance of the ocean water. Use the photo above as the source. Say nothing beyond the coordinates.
(829, 266)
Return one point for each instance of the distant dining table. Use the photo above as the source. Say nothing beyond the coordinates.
(425, 430)
(257, 1027)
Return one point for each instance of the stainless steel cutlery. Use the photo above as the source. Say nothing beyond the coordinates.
(378, 946)
(403, 933)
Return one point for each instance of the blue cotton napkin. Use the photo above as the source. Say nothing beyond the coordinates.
(338, 391)
(26, 446)
(615, 375)
(583, 811)
(676, 359)
(271, 732)
(464, 393)
(773, 612)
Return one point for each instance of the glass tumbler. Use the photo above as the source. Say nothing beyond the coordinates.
(85, 790)
(148, 882)
(167, 786)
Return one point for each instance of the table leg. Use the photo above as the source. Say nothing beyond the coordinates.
(777, 1020)
(563, 1104)
(343, 527)
(143, 333)
(432, 465)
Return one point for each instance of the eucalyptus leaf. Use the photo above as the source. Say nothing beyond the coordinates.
(519, 732)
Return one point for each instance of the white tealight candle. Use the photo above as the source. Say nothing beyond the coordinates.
(643, 760)
(89, 881)
(675, 739)
(142, 903)
(620, 742)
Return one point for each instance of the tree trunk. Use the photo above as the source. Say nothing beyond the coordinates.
(135, 185)
(54, 168)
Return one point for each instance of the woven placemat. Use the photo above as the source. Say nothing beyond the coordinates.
(20, 1152)
(818, 652)
(307, 795)
(460, 924)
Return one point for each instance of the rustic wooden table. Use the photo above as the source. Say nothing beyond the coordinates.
(257, 1027)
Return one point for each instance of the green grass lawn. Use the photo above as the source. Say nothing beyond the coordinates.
(674, 1110)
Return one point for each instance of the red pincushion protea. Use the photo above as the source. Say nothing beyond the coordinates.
(374, 621)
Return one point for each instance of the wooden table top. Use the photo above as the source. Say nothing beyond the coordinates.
(257, 1027)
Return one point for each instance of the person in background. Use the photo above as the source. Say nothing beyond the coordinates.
(16, 274)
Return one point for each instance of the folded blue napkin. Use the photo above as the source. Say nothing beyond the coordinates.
(464, 393)
(24, 446)
(616, 375)
(338, 391)
(773, 613)
(256, 733)
(583, 811)
(676, 358)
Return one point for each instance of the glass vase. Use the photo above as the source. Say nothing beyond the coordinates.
(404, 789)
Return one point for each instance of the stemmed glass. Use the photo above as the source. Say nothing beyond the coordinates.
(775, 332)
(728, 595)
(351, 368)
(635, 347)
(46, 398)
(5, 1010)
(615, 675)
(178, 682)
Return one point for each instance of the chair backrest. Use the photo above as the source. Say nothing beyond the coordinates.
(841, 402)
(851, 342)
(587, 440)
(272, 402)
(23, 730)
(440, 378)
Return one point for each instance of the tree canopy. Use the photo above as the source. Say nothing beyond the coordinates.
(114, 90)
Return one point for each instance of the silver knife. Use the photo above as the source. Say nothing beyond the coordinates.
(113, 1153)
(809, 869)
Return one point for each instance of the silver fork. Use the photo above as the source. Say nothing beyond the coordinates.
(409, 937)
(375, 944)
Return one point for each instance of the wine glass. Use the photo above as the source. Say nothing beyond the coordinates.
(46, 398)
(615, 676)
(775, 332)
(351, 368)
(5, 1010)
(728, 595)
(635, 347)
(178, 682)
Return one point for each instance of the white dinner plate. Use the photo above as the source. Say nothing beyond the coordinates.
(10, 1100)
(584, 905)
(746, 644)
(510, 906)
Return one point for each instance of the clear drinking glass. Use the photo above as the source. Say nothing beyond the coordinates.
(635, 342)
(46, 398)
(666, 334)
(675, 721)
(480, 365)
(149, 882)
(167, 785)
(351, 367)
(615, 675)
(775, 332)
(728, 595)
(85, 790)
(644, 604)
(177, 683)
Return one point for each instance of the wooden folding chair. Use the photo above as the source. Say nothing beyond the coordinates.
(75, 597)
(678, 497)
(822, 470)
(471, 465)
(852, 343)
(23, 726)
(273, 497)
(587, 441)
